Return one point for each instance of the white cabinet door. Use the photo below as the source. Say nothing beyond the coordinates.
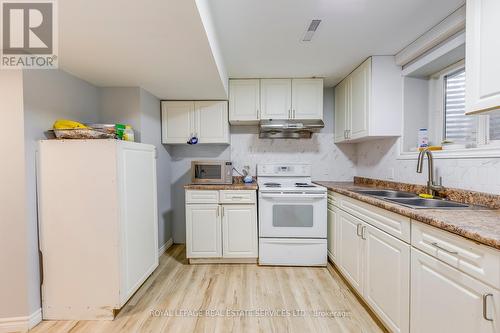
(351, 250)
(447, 300)
(482, 55)
(332, 233)
(387, 278)
(211, 121)
(244, 101)
(341, 110)
(138, 215)
(275, 98)
(359, 101)
(239, 231)
(177, 118)
(307, 98)
(203, 231)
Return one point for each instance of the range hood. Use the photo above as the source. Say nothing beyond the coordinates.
(289, 129)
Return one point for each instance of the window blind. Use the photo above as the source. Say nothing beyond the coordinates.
(458, 127)
(495, 125)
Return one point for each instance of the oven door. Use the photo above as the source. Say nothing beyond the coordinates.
(292, 215)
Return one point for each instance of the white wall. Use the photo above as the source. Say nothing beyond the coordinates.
(329, 161)
(13, 227)
(49, 95)
(377, 158)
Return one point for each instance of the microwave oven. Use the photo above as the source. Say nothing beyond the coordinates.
(211, 172)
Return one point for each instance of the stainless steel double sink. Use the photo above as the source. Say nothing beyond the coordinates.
(412, 200)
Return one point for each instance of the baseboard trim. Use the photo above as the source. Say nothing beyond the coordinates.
(165, 247)
(21, 324)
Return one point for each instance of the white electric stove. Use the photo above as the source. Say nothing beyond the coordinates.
(292, 216)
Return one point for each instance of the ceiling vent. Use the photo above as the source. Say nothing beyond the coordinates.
(311, 30)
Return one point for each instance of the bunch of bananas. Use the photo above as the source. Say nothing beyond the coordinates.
(62, 124)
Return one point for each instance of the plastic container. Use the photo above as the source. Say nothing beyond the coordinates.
(423, 138)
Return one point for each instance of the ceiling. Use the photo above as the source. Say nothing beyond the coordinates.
(262, 38)
(160, 45)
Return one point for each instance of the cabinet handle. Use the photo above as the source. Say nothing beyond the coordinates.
(435, 244)
(485, 307)
(345, 134)
(222, 211)
(293, 114)
(218, 211)
(289, 113)
(357, 229)
(348, 134)
(363, 232)
(237, 197)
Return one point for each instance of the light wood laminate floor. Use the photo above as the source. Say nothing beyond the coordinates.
(177, 286)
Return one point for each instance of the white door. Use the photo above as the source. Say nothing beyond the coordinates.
(211, 121)
(447, 300)
(386, 279)
(359, 98)
(341, 110)
(351, 250)
(332, 234)
(239, 231)
(203, 231)
(138, 215)
(482, 55)
(244, 101)
(275, 98)
(177, 118)
(307, 98)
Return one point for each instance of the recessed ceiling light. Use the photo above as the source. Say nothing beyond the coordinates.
(311, 30)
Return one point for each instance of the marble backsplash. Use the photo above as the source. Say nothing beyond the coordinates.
(379, 159)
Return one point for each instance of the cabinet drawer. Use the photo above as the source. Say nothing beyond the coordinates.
(202, 196)
(392, 223)
(237, 196)
(476, 260)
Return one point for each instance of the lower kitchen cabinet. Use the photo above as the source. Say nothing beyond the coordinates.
(386, 279)
(239, 231)
(447, 300)
(332, 230)
(203, 231)
(377, 265)
(225, 227)
(350, 258)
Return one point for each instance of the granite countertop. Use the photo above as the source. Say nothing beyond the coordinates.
(480, 224)
(237, 184)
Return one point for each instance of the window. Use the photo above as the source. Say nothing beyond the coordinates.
(458, 127)
(494, 125)
(471, 131)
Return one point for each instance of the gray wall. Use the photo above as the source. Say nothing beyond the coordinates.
(151, 133)
(49, 95)
(121, 105)
(140, 109)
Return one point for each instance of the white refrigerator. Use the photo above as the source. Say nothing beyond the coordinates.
(98, 225)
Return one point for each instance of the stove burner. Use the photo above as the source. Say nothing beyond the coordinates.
(272, 184)
(304, 185)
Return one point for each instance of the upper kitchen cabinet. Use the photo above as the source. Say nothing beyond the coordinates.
(482, 56)
(206, 120)
(211, 121)
(244, 101)
(252, 100)
(368, 102)
(307, 98)
(276, 98)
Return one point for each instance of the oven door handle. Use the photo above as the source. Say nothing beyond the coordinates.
(293, 196)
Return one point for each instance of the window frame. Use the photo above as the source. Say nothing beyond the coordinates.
(483, 147)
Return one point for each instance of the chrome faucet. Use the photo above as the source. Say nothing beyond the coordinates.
(432, 187)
